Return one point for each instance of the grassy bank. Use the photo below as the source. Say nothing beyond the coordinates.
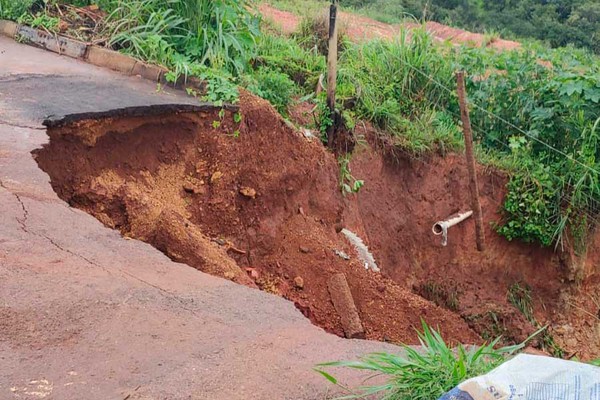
(535, 111)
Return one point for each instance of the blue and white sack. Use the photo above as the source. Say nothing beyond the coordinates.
(528, 377)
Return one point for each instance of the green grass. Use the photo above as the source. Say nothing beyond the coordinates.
(421, 374)
(300, 7)
(14, 9)
(406, 88)
(274, 86)
(215, 33)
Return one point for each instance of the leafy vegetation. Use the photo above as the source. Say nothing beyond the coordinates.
(444, 295)
(519, 295)
(348, 183)
(40, 20)
(215, 33)
(558, 22)
(423, 374)
(535, 111)
(274, 86)
(14, 9)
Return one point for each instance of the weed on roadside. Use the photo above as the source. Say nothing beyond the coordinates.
(422, 374)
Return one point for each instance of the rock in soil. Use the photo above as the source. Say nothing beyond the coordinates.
(304, 249)
(299, 282)
(248, 192)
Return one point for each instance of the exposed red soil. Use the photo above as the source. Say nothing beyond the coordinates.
(401, 200)
(404, 196)
(260, 209)
(360, 28)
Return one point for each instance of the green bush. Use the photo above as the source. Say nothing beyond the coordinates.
(285, 55)
(530, 206)
(274, 86)
(14, 9)
(214, 33)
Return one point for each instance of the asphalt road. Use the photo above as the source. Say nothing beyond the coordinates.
(87, 314)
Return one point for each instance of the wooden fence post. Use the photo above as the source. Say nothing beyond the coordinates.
(473, 185)
(332, 56)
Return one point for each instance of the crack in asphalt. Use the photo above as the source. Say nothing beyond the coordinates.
(23, 225)
(14, 125)
(21, 221)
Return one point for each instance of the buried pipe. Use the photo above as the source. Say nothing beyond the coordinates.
(441, 227)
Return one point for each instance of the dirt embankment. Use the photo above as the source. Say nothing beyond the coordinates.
(395, 211)
(254, 202)
(258, 203)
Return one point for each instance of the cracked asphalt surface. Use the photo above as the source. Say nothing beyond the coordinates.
(87, 314)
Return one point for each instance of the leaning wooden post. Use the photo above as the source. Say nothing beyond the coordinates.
(332, 69)
(473, 185)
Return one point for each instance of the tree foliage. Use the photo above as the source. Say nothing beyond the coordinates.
(557, 22)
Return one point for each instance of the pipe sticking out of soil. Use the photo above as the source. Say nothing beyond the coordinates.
(441, 227)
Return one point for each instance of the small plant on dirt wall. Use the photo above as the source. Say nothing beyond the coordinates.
(323, 118)
(530, 204)
(348, 183)
(423, 374)
(519, 295)
(444, 295)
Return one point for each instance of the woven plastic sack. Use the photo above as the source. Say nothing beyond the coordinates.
(528, 377)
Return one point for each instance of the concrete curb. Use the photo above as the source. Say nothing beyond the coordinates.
(54, 43)
(92, 54)
(8, 28)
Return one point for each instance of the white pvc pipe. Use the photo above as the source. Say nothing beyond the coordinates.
(441, 227)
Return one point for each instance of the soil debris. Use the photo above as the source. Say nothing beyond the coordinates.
(145, 198)
(215, 177)
(261, 240)
(248, 192)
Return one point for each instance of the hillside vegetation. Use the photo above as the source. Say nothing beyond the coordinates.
(557, 22)
(535, 111)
